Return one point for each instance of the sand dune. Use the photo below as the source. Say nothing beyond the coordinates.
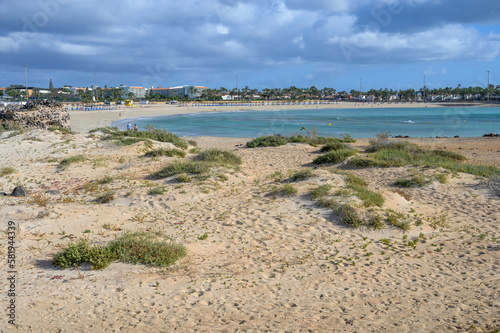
(269, 262)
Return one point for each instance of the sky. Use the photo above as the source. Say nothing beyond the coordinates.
(340, 44)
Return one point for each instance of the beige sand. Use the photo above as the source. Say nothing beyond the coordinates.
(270, 263)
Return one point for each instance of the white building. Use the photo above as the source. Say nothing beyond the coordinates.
(138, 92)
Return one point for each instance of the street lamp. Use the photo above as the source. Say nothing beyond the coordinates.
(424, 88)
(236, 87)
(26, 78)
(488, 86)
(360, 86)
(95, 88)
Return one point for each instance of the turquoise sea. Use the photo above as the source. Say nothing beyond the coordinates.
(359, 123)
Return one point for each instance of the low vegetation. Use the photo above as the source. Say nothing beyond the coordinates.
(6, 171)
(60, 129)
(311, 138)
(385, 153)
(151, 133)
(219, 157)
(165, 152)
(186, 167)
(334, 156)
(302, 174)
(413, 181)
(320, 191)
(130, 247)
(70, 160)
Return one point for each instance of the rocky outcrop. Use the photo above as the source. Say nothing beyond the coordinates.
(38, 114)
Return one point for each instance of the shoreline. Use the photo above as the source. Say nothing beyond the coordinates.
(81, 122)
(84, 121)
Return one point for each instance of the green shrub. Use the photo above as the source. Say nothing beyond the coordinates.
(176, 168)
(131, 247)
(73, 159)
(333, 146)
(60, 129)
(6, 171)
(151, 133)
(74, 255)
(157, 190)
(375, 222)
(165, 152)
(320, 191)
(219, 157)
(326, 202)
(289, 190)
(183, 178)
(302, 174)
(398, 220)
(414, 181)
(442, 178)
(106, 180)
(368, 197)
(267, 141)
(105, 198)
(335, 156)
(348, 215)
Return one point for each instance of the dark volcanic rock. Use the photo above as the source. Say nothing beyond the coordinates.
(38, 114)
(19, 191)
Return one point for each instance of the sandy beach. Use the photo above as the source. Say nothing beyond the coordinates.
(256, 261)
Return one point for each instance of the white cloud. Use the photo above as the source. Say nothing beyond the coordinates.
(221, 29)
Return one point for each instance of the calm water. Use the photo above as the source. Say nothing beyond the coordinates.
(359, 123)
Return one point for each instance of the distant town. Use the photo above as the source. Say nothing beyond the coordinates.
(122, 93)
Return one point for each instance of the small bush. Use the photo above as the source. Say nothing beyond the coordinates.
(335, 156)
(152, 133)
(106, 180)
(183, 178)
(192, 143)
(333, 146)
(449, 155)
(182, 167)
(414, 181)
(6, 171)
(348, 215)
(157, 190)
(289, 190)
(302, 174)
(131, 247)
(442, 178)
(375, 222)
(320, 191)
(105, 198)
(327, 203)
(60, 129)
(267, 141)
(398, 220)
(219, 157)
(165, 152)
(368, 197)
(73, 159)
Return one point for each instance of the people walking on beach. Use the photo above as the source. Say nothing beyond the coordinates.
(129, 127)
(136, 128)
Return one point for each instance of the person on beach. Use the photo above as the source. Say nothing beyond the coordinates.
(129, 126)
(136, 128)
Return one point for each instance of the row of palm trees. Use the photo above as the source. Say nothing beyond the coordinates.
(311, 93)
(291, 93)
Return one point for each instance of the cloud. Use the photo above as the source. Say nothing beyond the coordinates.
(213, 36)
